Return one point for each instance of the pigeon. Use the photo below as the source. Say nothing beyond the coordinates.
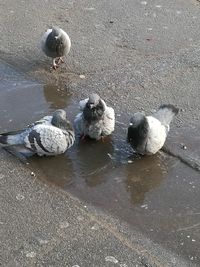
(56, 44)
(147, 134)
(50, 136)
(96, 120)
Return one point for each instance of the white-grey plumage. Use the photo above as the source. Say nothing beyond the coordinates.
(55, 43)
(52, 135)
(96, 119)
(147, 134)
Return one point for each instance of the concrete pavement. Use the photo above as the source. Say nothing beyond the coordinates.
(136, 54)
(43, 226)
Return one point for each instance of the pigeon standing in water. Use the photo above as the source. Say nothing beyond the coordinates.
(147, 134)
(50, 136)
(56, 44)
(96, 119)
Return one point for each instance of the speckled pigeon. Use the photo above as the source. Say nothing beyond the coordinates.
(96, 120)
(52, 135)
(147, 134)
(56, 44)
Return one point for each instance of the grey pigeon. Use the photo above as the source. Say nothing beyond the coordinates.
(56, 44)
(96, 119)
(52, 135)
(147, 134)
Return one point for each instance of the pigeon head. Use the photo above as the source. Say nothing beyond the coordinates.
(56, 32)
(93, 101)
(136, 119)
(59, 119)
(94, 108)
(137, 130)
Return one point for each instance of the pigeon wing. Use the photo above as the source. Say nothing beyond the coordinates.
(156, 135)
(46, 140)
(45, 120)
(108, 121)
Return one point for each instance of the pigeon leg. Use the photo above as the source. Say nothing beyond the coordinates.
(104, 138)
(82, 138)
(60, 60)
(54, 64)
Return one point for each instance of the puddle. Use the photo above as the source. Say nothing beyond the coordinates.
(157, 195)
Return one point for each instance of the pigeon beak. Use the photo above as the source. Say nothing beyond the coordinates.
(130, 124)
(91, 106)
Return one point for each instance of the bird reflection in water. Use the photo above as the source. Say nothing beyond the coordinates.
(143, 176)
(56, 97)
(54, 170)
(91, 160)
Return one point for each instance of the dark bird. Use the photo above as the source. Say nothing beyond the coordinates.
(56, 44)
(147, 134)
(52, 135)
(96, 120)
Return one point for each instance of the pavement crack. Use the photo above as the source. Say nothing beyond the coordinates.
(188, 227)
(187, 161)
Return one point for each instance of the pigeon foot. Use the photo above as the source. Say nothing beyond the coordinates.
(54, 65)
(60, 60)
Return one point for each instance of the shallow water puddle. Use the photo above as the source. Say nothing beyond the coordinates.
(158, 195)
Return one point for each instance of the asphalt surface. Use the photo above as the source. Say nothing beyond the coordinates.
(44, 226)
(137, 55)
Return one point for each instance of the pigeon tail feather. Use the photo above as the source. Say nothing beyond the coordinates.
(3, 139)
(166, 113)
(12, 138)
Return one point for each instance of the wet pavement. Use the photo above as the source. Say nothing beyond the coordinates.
(158, 195)
(136, 55)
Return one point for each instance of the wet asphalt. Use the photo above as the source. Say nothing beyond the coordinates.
(137, 55)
